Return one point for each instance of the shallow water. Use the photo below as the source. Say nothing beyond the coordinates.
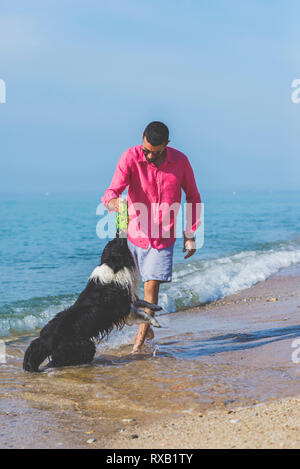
(49, 247)
(237, 354)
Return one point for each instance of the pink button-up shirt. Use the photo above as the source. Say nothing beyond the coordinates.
(151, 192)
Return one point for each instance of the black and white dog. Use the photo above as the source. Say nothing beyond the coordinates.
(109, 301)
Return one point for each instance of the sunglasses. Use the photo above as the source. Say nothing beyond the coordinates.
(153, 153)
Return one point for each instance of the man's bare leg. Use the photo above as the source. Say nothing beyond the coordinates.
(151, 290)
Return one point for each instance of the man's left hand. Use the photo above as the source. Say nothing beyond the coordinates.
(190, 245)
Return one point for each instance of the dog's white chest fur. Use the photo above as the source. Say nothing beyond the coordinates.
(125, 278)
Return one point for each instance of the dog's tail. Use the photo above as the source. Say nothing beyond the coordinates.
(35, 355)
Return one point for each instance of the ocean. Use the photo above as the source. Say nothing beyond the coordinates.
(49, 247)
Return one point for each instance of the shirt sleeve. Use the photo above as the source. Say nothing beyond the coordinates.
(119, 182)
(193, 199)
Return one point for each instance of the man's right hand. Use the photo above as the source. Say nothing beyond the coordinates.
(115, 204)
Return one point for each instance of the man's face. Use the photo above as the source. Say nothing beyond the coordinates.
(152, 153)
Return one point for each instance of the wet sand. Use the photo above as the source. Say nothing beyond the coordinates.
(220, 378)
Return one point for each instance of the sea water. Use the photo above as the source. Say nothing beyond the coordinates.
(49, 247)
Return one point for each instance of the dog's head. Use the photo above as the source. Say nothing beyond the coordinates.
(117, 266)
(117, 255)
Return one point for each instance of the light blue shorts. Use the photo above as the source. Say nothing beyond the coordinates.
(153, 264)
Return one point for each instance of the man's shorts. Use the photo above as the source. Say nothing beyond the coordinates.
(153, 264)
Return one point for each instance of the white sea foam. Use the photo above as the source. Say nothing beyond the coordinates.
(213, 279)
(193, 283)
(118, 338)
(18, 322)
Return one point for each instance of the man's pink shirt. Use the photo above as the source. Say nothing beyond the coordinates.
(157, 188)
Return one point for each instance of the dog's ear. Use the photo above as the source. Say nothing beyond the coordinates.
(106, 253)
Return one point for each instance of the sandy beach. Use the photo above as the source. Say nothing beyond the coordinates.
(237, 389)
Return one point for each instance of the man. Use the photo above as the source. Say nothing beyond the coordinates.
(154, 175)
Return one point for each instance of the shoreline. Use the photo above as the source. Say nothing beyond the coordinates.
(264, 415)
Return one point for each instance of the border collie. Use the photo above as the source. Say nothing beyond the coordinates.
(109, 301)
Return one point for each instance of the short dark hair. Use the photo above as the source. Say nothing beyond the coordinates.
(156, 133)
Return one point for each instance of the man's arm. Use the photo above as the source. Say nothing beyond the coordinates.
(193, 210)
(120, 180)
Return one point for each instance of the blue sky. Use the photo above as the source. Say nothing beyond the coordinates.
(84, 77)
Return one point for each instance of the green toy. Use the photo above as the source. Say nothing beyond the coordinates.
(122, 218)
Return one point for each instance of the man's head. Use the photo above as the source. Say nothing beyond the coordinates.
(155, 140)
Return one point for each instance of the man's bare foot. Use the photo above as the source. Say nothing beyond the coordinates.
(138, 340)
(136, 349)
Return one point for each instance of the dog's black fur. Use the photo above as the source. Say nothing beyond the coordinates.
(69, 338)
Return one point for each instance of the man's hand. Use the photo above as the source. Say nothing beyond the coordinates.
(115, 204)
(190, 245)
